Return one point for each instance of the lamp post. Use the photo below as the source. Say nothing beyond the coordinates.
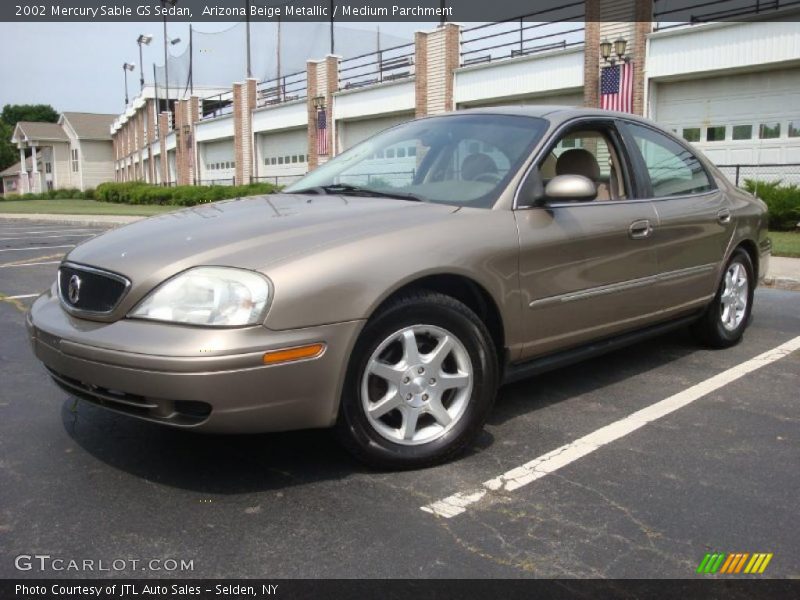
(143, 40)
(166, 41)
(125, 68)
(618, 47)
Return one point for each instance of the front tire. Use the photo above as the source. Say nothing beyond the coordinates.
(724, 322)
(420, 384)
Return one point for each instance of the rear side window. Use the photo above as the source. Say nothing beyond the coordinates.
(673, 169)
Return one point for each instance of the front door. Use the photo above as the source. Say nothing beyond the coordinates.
(587, 269)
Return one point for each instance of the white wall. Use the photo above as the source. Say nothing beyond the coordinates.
(545, 74)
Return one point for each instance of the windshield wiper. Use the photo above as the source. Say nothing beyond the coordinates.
(346, 188)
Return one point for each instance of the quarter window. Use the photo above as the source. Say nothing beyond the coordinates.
(673, 169)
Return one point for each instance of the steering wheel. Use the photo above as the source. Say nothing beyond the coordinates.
(492, 178)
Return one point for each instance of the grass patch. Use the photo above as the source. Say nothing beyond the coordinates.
(785, 243)
(80, 207)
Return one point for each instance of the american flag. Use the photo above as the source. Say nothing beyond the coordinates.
(616, 87)
(322, 132)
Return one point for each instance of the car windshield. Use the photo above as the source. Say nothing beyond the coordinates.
(463, 160)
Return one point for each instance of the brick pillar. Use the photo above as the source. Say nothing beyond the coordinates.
(437, 58)
(141, 142)
(323, 80)
(312, 72)
(193, 116)
(151, 137)
(244, 101)
(609, 20)
(163, 130)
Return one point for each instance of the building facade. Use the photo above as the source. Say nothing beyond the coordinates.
(75, 153)
(731, 88)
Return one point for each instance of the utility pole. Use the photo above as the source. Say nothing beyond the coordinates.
(333, 43)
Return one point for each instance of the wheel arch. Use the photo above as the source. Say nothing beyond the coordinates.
(464, 289)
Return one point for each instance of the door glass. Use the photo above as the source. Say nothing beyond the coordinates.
(673, 170)
(588, 153)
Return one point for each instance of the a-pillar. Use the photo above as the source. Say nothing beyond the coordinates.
(323, 83)
(437, 58)
(609, 20)
(244, 102)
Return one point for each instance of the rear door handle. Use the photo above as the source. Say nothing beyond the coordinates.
(640, 229)
(724, 216)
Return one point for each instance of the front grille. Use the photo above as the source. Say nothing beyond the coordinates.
(86, 289)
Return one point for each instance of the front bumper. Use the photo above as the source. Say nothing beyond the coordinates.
(205, 379)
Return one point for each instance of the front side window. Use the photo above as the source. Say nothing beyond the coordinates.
(590, 153)
(460, 159)
(673, 170)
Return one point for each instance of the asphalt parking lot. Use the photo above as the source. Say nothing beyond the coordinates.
(718, 474)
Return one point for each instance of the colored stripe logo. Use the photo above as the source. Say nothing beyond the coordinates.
(734, 563)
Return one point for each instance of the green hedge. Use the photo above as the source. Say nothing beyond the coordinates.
(137, 192)
(783, 202)
(64, 194)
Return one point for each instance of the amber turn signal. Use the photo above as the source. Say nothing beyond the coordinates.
(274, 357)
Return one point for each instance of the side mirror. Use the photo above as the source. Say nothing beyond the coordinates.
(570, 188)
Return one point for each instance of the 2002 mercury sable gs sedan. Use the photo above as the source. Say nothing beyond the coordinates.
(389, 292)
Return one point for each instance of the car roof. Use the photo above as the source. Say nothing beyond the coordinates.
(555, 113)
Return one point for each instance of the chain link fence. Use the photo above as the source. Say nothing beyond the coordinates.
(785, 173)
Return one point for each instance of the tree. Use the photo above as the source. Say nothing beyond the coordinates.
(13, 114)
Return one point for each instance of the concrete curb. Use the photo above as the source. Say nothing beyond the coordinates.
(87, 220)
(783, 283)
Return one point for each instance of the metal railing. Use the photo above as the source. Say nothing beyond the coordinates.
(276, 179)
(668, 14)
(293, 86)
(547, 29)
(389, 64)
(788, 173)
(219, 181)
(216, 106)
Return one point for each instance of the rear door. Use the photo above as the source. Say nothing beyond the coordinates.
(586, 268)
(694, 218)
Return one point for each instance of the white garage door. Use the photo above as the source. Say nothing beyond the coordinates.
(353, 132)
(217, 162)
(568, 99)
(283, 155)
(751, 118)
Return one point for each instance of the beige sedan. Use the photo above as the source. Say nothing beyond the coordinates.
(390, 292)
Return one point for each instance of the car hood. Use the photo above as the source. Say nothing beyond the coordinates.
(250, 233)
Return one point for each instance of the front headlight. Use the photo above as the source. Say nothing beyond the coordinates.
(212, 296)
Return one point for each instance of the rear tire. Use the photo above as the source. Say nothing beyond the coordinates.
(421, 382)
(724, 321)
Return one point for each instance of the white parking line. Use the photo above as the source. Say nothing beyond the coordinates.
(32, 264)
(36, 248)
(560, 457)
(47, 237)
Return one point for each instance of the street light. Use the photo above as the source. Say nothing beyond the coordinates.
(125, 68)
(143, 40)
(619, 46)
(166, 40)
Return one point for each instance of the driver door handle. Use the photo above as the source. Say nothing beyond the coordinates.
(640, 229)
(724, 216)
